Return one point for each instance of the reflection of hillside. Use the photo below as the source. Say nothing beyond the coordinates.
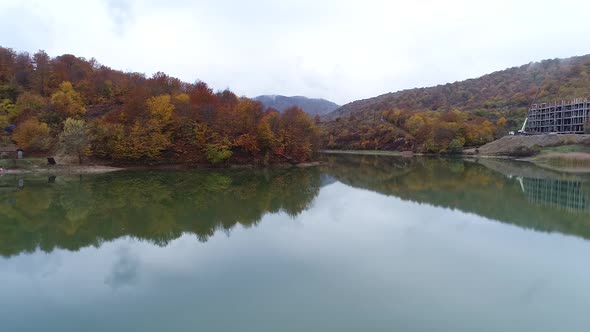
(75, 212)
(458, 184)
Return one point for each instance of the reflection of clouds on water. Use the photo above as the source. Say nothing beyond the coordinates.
(530, 293)
(384, 263)
(38, 264)
(125, 269)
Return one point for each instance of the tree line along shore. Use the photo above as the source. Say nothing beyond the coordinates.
(76, 107)
(71, 106)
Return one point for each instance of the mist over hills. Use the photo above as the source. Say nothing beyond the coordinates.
(448, 118)
(313, 106)
(509, 89)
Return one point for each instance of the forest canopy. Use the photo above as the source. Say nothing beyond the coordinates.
(467, 113)
(71, 105)
(129, 118)
(421, 131)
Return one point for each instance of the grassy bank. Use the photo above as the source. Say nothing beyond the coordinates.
(566, 153)
(66, 166)
(39, 165)
(27, 163)
(529, 146)
(565, 158)
(570, 148)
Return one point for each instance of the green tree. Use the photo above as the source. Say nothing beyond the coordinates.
(74, 138)
(219, 152)
(8, 112)
(456, 146)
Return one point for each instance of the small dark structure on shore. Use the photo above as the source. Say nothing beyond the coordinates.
(9, 152)
(564, 117)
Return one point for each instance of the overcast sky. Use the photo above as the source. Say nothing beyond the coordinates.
(336, 49)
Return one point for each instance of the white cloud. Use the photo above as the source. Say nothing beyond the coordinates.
(339, 50)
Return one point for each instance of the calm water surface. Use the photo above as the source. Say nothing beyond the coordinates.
(362, 244)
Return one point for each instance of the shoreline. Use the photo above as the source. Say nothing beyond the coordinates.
(538, 160)
(90, 169)
(370, 152)
(101, 169)
(414, 154)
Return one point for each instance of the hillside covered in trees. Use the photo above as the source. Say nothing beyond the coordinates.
(451, 116)
(79, 107)
(71, 105)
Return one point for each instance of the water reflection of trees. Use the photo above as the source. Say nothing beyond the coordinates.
(500, 191)
(74, 212)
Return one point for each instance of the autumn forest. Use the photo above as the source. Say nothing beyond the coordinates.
(446, 118)
(72, 106)
(79, 107)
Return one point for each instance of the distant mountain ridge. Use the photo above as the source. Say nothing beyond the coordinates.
(313, 106)
(512, 88)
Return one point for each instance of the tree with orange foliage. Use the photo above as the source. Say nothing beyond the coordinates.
(32, 135)
(134, 118)
(298, 135)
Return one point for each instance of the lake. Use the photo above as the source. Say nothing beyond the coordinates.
(364, 243)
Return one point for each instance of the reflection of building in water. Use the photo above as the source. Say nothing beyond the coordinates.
(560, 194)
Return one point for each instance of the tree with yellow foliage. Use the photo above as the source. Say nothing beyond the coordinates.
(148, 137)
(67, 102)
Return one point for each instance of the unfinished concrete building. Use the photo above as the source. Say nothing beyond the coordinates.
(564, 117)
